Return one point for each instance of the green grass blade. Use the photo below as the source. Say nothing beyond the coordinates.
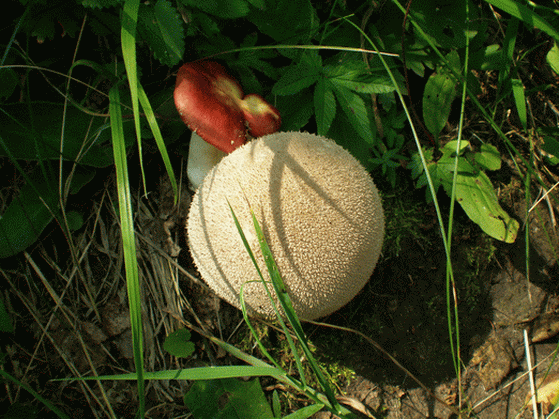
(36, 395)
(199, 373)
(128, 240)
(520, 101)
(285, 301)
(265, 284)
(128, 40)
(150, 116)
(528, 16)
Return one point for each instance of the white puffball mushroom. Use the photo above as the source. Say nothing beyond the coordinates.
(202, 157)
(319, 210)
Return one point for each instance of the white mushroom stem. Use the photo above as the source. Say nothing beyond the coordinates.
(202, 157)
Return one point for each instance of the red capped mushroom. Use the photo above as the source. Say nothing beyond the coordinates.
(213, 105)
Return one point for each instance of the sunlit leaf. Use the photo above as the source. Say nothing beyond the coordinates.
(488, 157)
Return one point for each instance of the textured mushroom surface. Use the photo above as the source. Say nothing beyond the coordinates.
(320, 212)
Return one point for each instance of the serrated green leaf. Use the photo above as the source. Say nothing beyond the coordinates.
(355, 75)
(161, 27)
(324, 105)
(346, 68)
(301, 76)
(228, 399)
(356, 112)
(286, 21)
(294, 80)
(178, 344)
(45, 19)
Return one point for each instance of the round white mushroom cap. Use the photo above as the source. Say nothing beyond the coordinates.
(319, 210)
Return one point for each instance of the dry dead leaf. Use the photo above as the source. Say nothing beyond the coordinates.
(547, 393)
(545, 326)
(494, 359)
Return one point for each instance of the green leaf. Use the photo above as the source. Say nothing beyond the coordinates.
(553, 58)
(551, 145)
(29, 213)
(161, 27)
(438, 96)
(449, 149)
(46, 20)
(286, 21)
(488, 158)
(354, 75)
(296, 110)
(305, 412)
(520, 101)
(178, 344)
(530, 18)
(228, 9)
(228, 399)
(445, 22)
(34, 131)
(356, 112)
(8, 82)
(98, 4)
(477, 197)
(324, 105)
(294, 80)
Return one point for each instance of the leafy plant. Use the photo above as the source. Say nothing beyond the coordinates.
(474, 190)
(309, 58)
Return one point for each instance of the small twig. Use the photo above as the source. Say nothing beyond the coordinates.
(545, 196)
(531, 375)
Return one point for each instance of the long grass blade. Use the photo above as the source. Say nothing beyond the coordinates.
(128, 240)
(128, 41)
(36, 395)
(285, 300)
(150, 116)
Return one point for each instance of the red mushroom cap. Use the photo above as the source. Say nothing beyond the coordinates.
(262, 118)
(206, 98)
(211, 103)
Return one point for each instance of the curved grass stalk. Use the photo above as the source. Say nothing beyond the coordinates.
(446, 234)
(291, 316)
